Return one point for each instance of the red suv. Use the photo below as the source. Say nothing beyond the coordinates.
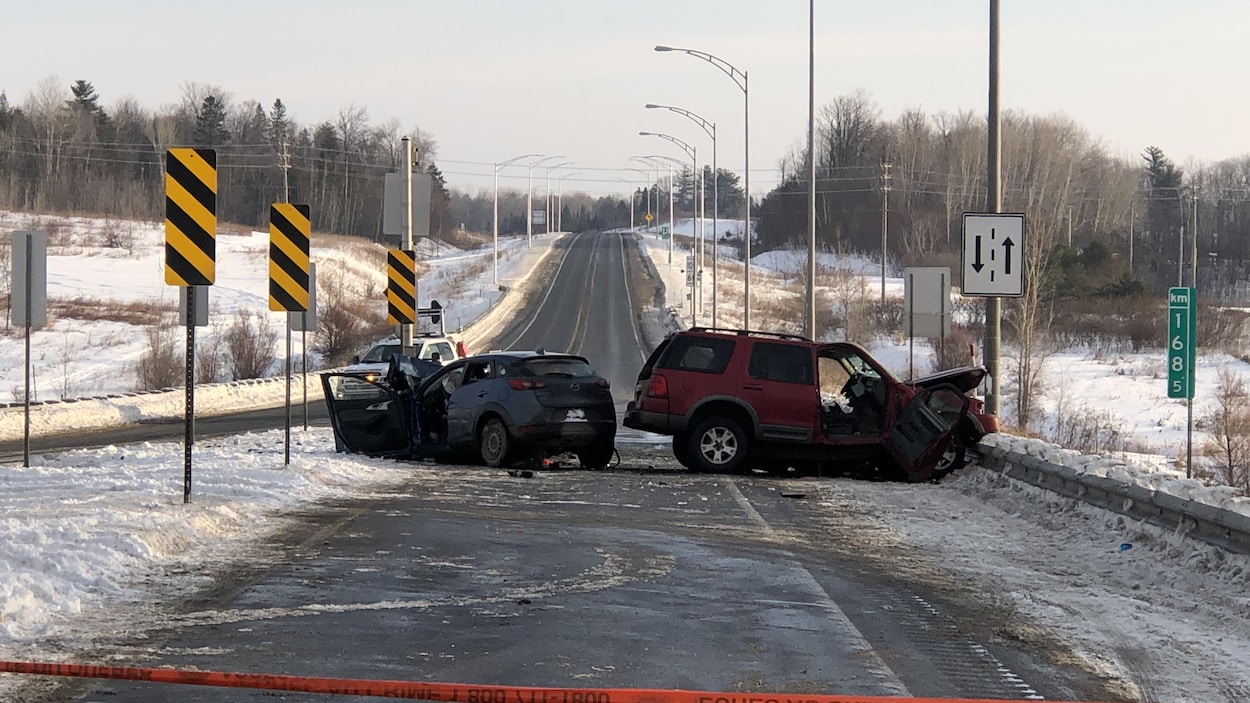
(735, 400)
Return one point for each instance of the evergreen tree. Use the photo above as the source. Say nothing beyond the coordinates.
(440, 204)
(8, 113)
(210, 123)
(87, 100)
(1163, 212)
(279, 126)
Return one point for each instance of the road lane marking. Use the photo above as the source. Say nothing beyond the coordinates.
(550, 286)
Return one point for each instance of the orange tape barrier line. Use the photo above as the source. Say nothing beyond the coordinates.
(456, 692)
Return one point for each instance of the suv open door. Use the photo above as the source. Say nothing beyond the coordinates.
(373, 415)
(924, 429)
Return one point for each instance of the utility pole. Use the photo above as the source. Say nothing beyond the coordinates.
(994, 204)
(405, 207)
(285, 157)
(809, 324)
(885, 220)
(1193, 252)
(1132, 215)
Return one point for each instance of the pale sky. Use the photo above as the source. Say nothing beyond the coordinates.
(495, 79)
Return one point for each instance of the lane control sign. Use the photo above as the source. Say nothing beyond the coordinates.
(993, 255)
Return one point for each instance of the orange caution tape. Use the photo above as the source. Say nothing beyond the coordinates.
(458, 693)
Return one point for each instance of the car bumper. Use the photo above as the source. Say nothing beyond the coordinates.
(648, 421)
(567, 435)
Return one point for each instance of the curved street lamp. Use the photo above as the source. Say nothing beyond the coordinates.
(695, 249)
(740, 79)
(693, 153)
(529, 200)
(549, 199)
(499, 166)
(710, 128)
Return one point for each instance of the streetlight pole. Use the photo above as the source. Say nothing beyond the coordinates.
(693, 153)
(994, 196)
(496, 218)
(529, 200)
(549, 198)
(710, 128)
(810, 323)
(741, 80)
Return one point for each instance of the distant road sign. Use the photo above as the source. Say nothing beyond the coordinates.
(1182, 340)
(401, 287)
(190, 217)
(30, 255)
(648, 217)
(289, 230)
(993, 255)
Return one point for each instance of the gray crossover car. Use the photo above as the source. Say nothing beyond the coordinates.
(495, 408)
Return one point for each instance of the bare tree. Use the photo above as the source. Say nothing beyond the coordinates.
(250, 343)
(1229, 429)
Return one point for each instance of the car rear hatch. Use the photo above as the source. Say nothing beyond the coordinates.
(560, 382)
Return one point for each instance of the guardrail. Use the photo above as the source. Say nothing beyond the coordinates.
(1216, 526)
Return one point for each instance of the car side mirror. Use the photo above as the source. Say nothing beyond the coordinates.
(355, 358)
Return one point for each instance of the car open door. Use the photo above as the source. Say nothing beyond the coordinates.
(922, 432)
(369, 416)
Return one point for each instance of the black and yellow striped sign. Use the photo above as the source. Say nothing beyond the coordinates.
(289, 228)
(190, 217)
(401, 287)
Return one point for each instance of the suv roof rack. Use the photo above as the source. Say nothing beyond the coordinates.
(753, 333)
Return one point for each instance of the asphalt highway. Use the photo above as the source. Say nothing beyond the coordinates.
(642, 576)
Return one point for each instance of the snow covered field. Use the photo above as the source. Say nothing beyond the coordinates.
(87, 537)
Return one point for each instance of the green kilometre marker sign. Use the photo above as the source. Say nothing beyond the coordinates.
(1182, 340)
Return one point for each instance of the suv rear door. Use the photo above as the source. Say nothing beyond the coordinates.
(780, 383)
(923, 430)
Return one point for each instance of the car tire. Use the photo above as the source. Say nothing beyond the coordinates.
(597, 456)
(954, 458)
(494, 444)
(718, 444)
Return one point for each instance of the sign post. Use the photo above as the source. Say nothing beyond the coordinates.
(290, 229)
(1182, 357)
(190, 254)
(926, 307)
(29, 303)
(302, 322)
(993, 268)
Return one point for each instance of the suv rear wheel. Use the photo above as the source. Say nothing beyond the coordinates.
(681, 450)
(718, 444)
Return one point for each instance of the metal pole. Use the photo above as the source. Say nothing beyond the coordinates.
(702, 234)
(496, 225)
(1132, 215)
(715, 224)
(809, 324)
(548, 197)
(746, 131)
(671, 237)
(885, 221)
(1193, 241)
(30, 272)
(405, 205)
(994, 197)
(303, 345)
(189, 432)
(529, 208)
(286, 451)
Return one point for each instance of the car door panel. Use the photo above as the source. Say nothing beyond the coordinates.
(368, 418)
(924, 428)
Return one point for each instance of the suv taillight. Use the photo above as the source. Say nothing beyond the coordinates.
(658, 387)
(525, 384)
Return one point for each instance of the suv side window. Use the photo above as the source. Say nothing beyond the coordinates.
(703, 354)
(784, 363)
(444, 351)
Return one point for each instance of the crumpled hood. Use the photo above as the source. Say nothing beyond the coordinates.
(965, 378)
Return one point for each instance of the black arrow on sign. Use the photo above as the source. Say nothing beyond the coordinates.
(976, 263)
(1008, 244)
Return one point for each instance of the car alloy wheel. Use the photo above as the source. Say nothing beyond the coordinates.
(719, 444)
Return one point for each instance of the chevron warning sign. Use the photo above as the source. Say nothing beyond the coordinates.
(289, 228)
(190, 217)
(401, 287)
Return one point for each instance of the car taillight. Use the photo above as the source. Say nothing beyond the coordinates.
(525, 384)
(603, 383)
(658, 387)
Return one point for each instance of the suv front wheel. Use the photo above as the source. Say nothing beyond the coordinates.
(718, 444)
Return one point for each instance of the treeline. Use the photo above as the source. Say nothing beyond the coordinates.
(925, 170)
(61, 150)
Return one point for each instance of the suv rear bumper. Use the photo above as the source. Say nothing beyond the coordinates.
(648, 421)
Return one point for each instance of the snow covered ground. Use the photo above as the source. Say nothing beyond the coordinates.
(88, 536)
